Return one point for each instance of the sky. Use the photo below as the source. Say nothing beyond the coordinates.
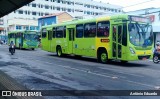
(138, 4)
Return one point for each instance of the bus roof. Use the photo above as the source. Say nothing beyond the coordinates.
(81, 21)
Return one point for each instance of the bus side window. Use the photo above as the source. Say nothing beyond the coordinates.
(59, 32)
(124, 36)
(79, 31)
(103, 29)
(53, 32)
(120, 34)
(90, 30)
(49, 35)
(44, 33)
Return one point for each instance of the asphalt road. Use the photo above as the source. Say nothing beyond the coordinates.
(41, 70)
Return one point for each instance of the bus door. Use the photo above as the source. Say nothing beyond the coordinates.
(117, 46)
(71, 40)
(49, 40)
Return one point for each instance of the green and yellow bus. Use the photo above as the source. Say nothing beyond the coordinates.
(24, 39)
(117, 37)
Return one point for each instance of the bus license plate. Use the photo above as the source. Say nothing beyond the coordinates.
(144, 58)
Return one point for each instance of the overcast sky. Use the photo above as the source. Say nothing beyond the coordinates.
(125, 3)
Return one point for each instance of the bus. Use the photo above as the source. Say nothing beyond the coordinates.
(117, 37)
(24, 39)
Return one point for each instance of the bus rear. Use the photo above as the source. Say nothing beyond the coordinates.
(30, 40)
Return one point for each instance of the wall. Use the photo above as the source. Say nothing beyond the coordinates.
(46, 21)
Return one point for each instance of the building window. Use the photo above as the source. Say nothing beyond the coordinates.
(41, 6)
(58, 1)
(90, 30)
(27, 27)
(78, 3)
(46, 7)
(33, 5)
(18, 27)
(1, 22)
(32, 27)
(53, 8)
(33, 13)
(69, 10)
(78, 10)
(20, 12)
(58, 8)
(25, 12)
(41, 14)
(88, 12)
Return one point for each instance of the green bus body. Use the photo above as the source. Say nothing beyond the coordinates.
(105, 38)
(23, 39)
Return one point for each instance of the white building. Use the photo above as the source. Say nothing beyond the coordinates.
(22, 24)
(154, 14)
(75, 8)
(39, 8)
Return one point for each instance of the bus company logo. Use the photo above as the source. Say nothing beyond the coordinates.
(6, 93)
(105, 40)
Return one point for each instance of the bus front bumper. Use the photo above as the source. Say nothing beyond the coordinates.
(134, 57)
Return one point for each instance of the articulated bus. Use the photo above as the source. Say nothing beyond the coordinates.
(118, 37)
(23, 39)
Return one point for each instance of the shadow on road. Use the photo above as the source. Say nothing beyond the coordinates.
(116, 63)
(25, 49)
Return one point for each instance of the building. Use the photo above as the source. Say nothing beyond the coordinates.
(76, 8)
(22, 24)
(154, 14)
(40, 8)
(53, 19)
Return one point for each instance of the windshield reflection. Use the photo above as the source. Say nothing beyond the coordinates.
(140, 34)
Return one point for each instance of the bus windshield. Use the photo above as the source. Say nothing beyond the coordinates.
(140, 34)
(32, 37)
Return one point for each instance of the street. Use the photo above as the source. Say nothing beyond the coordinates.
(41, 70)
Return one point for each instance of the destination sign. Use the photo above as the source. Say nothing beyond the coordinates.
(139, 19)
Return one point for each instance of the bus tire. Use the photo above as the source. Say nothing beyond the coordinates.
(59, 51)
(102, 56)
(32, 48)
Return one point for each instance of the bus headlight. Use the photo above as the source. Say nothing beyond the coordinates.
(131, 50)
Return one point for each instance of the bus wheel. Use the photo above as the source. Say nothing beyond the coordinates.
(59, 51)
(103, 56)
(32, 48)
